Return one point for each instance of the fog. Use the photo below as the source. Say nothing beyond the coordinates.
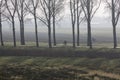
(101, 27)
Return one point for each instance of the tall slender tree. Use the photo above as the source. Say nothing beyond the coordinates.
(76, 11)
(114, 6)
(79, 13)
(73, 18)
(33, 10)
(11, 6)
(2, 9)
(90, 7)
(46, 17)
(57, 8)
(22, 13)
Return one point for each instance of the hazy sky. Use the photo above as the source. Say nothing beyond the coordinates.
(101, 19)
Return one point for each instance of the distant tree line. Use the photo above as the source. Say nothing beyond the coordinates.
(49, 12)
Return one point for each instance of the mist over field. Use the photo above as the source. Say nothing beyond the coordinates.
(59, 40)
(102, 31)
(101, 35)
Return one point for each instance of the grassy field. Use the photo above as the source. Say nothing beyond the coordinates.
(70, 68)
(45, 44)
(63, 63)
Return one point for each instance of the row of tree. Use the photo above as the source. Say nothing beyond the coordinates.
(46, 11)
(49, 11)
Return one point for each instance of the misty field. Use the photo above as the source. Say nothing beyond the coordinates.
(59, 40)
(60, 44)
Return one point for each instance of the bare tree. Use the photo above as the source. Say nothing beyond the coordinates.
(57, 8)
(22, 13)
(76, 11)
(46, 16)
(79, 12)
(2, 9)
(33, 10)
(11, 6)
(114, 6)
(89, 8)
(73, 18)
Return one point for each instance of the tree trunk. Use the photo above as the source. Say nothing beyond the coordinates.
(36, 31)
(54, 31)
(88, 22)
(73, 17)
(89, 32)
(78, 31)
(115, 37)
(114, 25)
(1, 35)
(89, 38)
(22, 25)
(14, 35)
(88, 41)
(49, 36)
(78, 35)
(73, 28)
(89, 35)
(22, 32)
(54, 26)
(49, 25)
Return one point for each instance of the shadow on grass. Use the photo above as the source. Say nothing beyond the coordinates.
(61, 52)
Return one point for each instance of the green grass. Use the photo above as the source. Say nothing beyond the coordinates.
(94, 64)
(45, 44)
(88, 65)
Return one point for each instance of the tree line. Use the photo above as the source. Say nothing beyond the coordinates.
(49, 12)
